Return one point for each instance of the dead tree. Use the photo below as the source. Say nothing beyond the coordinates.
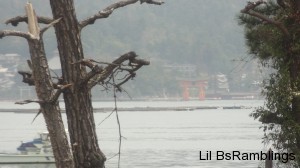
(47, 91)
(82, 75)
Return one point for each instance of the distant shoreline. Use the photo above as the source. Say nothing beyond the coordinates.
(138, 109)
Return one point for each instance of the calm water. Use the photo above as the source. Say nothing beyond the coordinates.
(170, 139)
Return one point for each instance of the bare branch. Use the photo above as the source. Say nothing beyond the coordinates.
(33, 34)
(96, 78)
(4, 33)
(106, 12)
(29, 101)
(86, 62)
(109, 10)
(49, 25)
(107, 116)
(61, 88)
(139, 62)
(39, 112)
(101, 62)
(94, 67)
(95, 70)
(16, 20)
(92, 19)
(117, 154)
(152, 2)
(249, 9)
(131, 76)
(118, 121)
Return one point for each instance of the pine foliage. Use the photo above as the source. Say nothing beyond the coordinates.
(279, 50)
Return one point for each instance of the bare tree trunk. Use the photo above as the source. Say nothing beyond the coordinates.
(86, 151)
(76, 83)
(47, 96)
(45, 89)
(49, 108)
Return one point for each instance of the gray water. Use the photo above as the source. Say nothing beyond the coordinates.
(169, 139)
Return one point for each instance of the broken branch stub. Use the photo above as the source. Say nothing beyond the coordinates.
(33, 26)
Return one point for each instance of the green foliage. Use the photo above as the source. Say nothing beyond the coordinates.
(263, 39)
(268, 42)
(277, 109)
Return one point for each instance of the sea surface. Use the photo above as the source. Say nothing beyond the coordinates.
(155, 139)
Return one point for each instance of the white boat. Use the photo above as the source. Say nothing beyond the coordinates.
(37, 151)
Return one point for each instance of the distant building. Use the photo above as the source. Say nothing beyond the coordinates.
(222, 83)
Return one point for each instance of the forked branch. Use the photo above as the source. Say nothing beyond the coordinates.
(117, 65)
(60, 88)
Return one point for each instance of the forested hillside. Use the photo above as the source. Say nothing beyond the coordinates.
(203, 33)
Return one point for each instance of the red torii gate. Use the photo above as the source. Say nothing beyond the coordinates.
(186, 84)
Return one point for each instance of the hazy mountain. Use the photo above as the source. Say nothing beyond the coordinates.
(198, 32)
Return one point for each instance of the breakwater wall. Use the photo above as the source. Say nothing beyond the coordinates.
(139, 109)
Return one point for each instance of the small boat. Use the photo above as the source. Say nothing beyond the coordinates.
(38, 150)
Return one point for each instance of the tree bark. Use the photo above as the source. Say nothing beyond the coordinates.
(78, 103)
(50, 108)
(44, 89)
(75, 83)
(294, 75)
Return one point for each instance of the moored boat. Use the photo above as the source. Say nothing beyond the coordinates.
(38, 150)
